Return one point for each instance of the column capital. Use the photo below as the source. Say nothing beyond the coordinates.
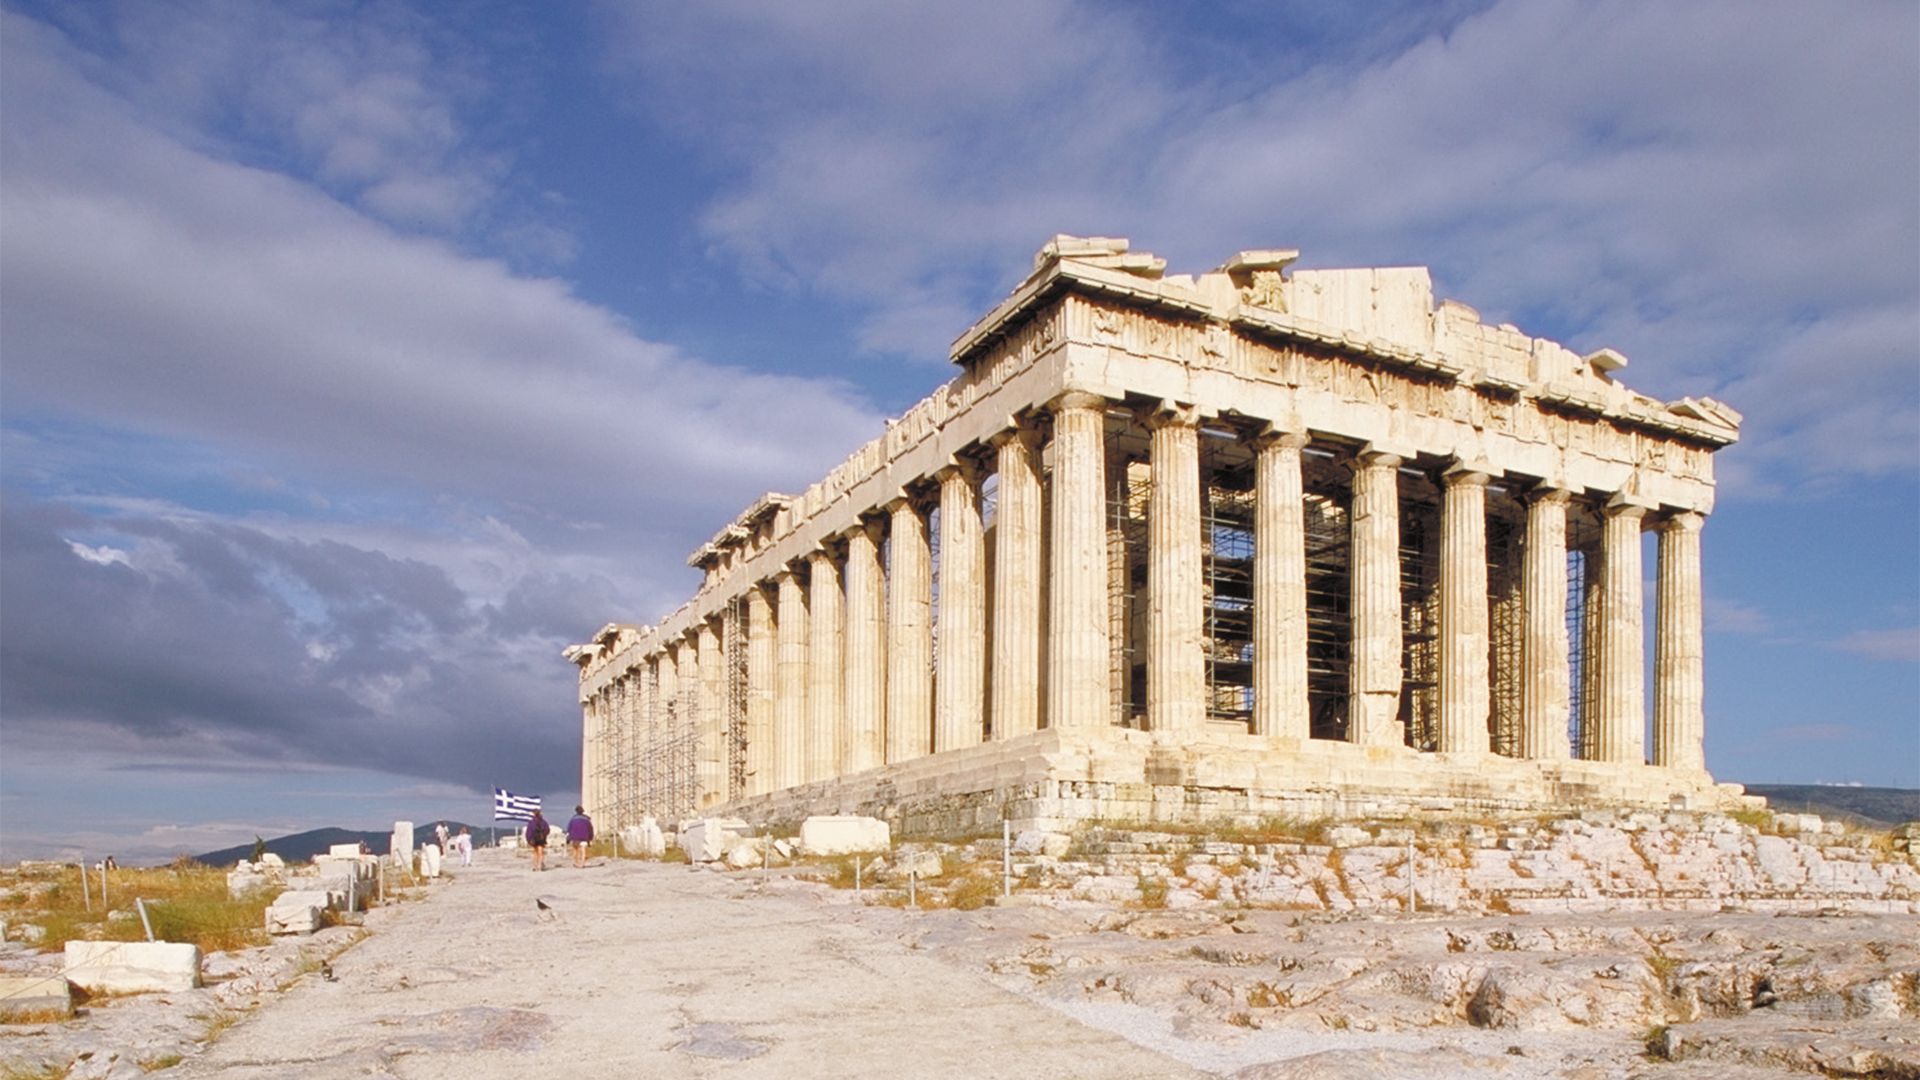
(1547, 491)
(1077, 399)
(905, 499)
(1016, 431)
(1373, 455)
(821, 554)
(1625, 509)
(1271, 436)
(1170, 413)
(958, 466)
(1623, 500)
(1684, 521)
(869, 523)
(1476, 472)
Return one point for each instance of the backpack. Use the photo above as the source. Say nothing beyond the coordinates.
(537, 832)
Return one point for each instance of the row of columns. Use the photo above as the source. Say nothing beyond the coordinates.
(841, 674)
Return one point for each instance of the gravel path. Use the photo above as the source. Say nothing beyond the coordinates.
(649, 969)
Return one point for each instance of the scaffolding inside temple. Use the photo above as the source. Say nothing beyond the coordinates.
(733, 689)
(1579, 582)
(1506, 631)
(1329, 541)
(1130, 483)
(1420, 613)
(1226, 532)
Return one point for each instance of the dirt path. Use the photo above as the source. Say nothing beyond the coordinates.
(657, 970)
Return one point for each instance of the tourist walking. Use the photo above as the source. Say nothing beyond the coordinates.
(440, 834)
(579, 835)
(537, 830)
(464, 845)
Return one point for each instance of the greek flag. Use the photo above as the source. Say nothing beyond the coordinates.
(510, 807)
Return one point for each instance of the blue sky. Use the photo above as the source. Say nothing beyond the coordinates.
(356, 357)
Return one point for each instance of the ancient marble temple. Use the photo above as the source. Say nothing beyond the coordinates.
(1256, 541)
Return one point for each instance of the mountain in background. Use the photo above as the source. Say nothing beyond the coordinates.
(1873, 805)
(302, 847)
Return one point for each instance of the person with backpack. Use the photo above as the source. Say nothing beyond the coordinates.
(537, 830)
(579, 835)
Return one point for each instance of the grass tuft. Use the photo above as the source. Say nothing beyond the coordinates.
(186, 902)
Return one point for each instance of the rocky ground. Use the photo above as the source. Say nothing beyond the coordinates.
(1619, 949)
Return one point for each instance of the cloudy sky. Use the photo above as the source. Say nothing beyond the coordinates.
(356, 357)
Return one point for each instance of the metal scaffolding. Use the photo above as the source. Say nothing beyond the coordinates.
(1227, 570)
(1131, 489)
(1578, 669)
(733, 654)
(1420, 617)
(1506, 631)
(1329, 545)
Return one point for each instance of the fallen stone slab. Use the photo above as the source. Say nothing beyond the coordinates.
(132, 967)
(704, 840)
(297, 912)
(24, 997)
(843, 834)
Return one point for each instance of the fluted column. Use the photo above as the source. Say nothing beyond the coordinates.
(824, 675)
(790, 684)
(1679, 719)
(909, 634)
(711, 774)
(1279, 588)
(1544, 682)
(667, 679)
(863, 739)
(1373, 716)
(590, 735)
(1016, 586)
(1077, 677)
(1619, 734)
(960, 685)
(1465, 694)
(1176, 662)
(761, 662)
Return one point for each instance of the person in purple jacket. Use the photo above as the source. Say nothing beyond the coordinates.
(579, 835)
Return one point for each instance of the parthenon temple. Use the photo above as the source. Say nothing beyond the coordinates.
(1257, 541)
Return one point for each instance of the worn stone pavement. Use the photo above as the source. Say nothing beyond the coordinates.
(649, 969)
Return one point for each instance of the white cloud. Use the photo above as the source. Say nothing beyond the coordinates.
(101, 555)
(153, 286)
(1897, 645)
(1722, 191)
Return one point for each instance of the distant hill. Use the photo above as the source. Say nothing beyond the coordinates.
(302, 847)
(1874, 805)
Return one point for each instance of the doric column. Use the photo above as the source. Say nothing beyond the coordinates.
(667, 715)
(1077, 684)
(824, 676)
(960, 685)
(1465, 694)
(1544, 685)
(1619, 733)
(590, 735)
(863, 735)
(790, 684)
(1176, 661)
(712, 772)
(1679, 720)
(1279, 588)
(909, 634)
(761, 661)
(1373, 715)
(1016, 586)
